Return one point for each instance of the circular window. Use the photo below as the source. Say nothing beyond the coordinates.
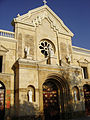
(46, 48)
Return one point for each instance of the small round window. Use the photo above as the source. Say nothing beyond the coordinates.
(46, 48)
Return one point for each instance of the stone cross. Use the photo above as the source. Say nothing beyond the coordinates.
(44, 1)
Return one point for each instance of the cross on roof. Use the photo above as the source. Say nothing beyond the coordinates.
(44, 1)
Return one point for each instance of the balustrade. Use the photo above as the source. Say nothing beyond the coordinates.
(7, 34)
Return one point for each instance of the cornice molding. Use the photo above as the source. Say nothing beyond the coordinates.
(2, 48)
(44, 15)
(81, 51)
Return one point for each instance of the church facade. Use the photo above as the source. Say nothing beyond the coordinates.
(41, 73)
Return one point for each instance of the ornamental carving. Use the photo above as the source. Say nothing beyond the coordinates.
(38, 20)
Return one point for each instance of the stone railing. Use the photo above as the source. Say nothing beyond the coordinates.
(5, 33)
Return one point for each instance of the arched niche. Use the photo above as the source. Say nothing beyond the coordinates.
(76, 95)
(31, 93)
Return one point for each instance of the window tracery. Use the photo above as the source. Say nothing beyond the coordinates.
(46, 48)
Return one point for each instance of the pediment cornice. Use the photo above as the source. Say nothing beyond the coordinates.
(3, 49)
(40, 14)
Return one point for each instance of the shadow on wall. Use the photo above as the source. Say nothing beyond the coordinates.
(29, 111)
(25, 111)
(76, 110)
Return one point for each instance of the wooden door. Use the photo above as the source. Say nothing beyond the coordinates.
(50, 101)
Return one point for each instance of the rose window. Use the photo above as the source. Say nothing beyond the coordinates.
(46, 48)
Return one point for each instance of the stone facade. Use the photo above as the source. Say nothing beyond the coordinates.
(37, 54)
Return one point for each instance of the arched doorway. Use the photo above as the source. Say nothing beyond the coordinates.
(86, 89)
(50, 100)
(2, 100)
(56, 95)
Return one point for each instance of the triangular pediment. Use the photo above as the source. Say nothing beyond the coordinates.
(36, 16)
(3, 49)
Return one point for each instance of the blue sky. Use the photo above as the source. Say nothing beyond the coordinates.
(74, 13)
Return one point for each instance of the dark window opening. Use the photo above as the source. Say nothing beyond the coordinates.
(1, 59)
(85, 72)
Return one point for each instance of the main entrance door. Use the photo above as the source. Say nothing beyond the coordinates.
(2, 101)
(87, 98)
(50, 101)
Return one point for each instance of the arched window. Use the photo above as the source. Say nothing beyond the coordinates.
(31, 93)
(76, 95)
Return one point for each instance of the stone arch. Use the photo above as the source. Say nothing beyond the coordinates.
(64, 86)
(1, 83)
(61, 80)
(63, 92)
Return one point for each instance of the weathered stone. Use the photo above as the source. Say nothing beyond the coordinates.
(43, 32)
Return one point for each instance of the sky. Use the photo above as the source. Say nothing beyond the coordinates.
(74, 13)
